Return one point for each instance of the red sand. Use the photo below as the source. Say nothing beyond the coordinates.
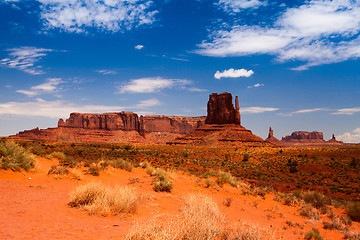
(33, 205)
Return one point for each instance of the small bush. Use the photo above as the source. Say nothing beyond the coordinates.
(58, 170)
(162, 185)
(102, 200)
(128, 147)
(122, 164)
(59, 155)
(317, 200)
(313, 234)
(93, 170)
(14, 157)
(308, 212)
(353, 211)
(246, 157)
(224, 177)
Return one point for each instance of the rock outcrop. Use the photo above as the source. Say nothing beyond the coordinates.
(125, 121)
(220, 109)
(116, 127)
(272, 139)
(222, 126)
(334, 141)
(304, 136)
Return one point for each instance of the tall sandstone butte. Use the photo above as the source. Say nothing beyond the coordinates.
(220, 109)
(222, 126)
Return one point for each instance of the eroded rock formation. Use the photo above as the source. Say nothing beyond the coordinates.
(220, 109)
(272, 139)
(304, 136)
(116, 127)
(222, 126)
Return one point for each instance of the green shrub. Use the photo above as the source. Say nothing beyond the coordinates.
(14, 157)
(224, 177)
(246, 157)
(353, 211)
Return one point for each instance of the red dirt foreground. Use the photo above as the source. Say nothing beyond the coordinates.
(34, 205)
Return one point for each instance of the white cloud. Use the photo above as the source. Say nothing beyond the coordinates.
(256, 85)
(347, 111)
(24, 59)
(238, 5)
(106, 72)
(310, 110)
(232, 73)
(151, 84)
(51, 109)
(50, 86)
(318, 32)
(194, 89)
(61, 109)
(253, 110)
(350, 137)
(108, 15)
(147, 103)
(139, 47)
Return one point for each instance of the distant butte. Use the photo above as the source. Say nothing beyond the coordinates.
(222, 126)
(272, 139)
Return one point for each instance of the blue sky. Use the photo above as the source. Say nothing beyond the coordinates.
(294, 64)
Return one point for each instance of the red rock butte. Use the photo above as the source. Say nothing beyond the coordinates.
(222, 126)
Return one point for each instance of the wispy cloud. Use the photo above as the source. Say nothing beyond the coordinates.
(256, 85)
(151, 84)
(350, 137)
(347, 111)
(232, 73)
(180, 59)
(253, 110)
(108, 15)
(50, 86)
(139, 47)
(318, 32)
(61, 108)
(309, 110)
(194, 89)
(25, 58)
(238, 5)
(147, 103)
(106, 72)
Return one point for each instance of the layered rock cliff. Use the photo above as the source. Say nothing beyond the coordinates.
(304, 136)
(129, 121)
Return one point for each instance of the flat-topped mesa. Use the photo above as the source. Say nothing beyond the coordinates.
(304, 136)
(220, 109)
(126, 121)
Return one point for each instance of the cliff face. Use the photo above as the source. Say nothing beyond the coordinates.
(304, 136)
(178, 125)
(220, 109)
(128, 121)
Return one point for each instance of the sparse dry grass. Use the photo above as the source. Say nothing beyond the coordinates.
(200, 219)
(98, 199)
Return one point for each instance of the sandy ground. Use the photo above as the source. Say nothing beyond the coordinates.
(34, 205)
